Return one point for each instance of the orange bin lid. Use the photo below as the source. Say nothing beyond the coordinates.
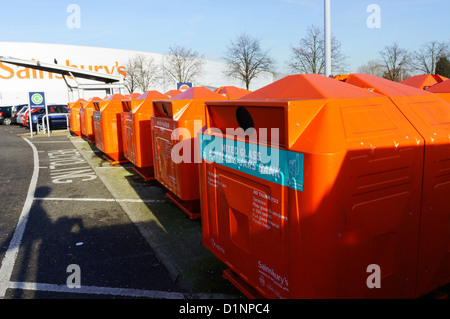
(90, 103)
(442, 90)
(178, 105)
(128, 103)
(232, 92)
(142, 105)
(78, 103)
(442, 87)
(172, 93)
(277, 98)
(426, 111)
(305, 87)
(132, 96)
(380, 85)
(107, 102)
(198, 92)
(141, 100)
(424, 81)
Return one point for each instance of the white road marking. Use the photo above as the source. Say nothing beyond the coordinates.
(50, 142)
(9, 260)
(99, 200)
(13, 248)
(125, 292)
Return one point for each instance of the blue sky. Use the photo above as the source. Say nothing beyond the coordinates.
(208, 26)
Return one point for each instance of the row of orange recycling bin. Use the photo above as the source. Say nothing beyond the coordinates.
(312, 187)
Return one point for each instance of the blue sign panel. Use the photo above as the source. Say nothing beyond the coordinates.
(184, 86)
(271, 164)
(37, 98)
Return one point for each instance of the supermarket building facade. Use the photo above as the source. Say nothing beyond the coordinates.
(17, 81)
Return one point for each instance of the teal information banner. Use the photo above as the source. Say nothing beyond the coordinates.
(271, 164)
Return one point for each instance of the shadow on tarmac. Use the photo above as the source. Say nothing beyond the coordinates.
(109, 252)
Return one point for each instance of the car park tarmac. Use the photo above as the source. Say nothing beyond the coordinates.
(68, 216)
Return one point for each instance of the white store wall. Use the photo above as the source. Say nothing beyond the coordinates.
(16, 81)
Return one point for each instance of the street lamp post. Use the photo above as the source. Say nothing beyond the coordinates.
(327, 32)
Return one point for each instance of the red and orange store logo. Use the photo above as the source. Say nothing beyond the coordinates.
(8, 71)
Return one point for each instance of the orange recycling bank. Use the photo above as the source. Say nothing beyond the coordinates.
(108, 126)
(430, 116)
(86, 118)
(137, 133)
(184, 114)
(305, 212)
(74, 119)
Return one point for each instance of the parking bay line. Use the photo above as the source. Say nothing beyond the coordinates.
(9, 259)
(118, 200)
(49, 142)
(7, 264)
(124, 292)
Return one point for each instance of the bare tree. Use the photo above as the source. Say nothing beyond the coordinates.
(246, 60)
(183, 65)
(309, 56)
(142, 73)
(372, 67)
(425, 59)
(149, 72)
(131, 78)
(396, 62)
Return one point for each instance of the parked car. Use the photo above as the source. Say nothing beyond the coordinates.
(20, 114)
(5, 115)
(16, 109)
(57, 118)
(25, 114)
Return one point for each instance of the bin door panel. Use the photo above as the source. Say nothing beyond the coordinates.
(82, 122)
(98, 132)
(128, 145)
(164, 167)
(90, 132)
(250, 226)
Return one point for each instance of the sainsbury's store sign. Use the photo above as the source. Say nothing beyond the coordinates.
(9, 71)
